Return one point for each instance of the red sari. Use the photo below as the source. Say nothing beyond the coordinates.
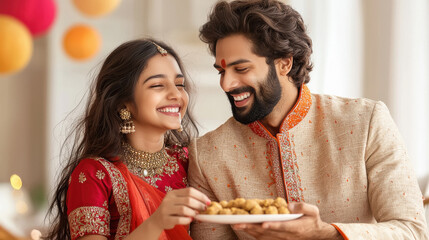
(105, 198)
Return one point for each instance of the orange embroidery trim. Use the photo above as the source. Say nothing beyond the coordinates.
(286, 171)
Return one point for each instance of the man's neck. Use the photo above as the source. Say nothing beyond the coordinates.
(272, 122)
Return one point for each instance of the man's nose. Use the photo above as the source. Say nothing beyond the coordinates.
(229, 82)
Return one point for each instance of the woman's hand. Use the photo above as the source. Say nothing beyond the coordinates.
(179, 207)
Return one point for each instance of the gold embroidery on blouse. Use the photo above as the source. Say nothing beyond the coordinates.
(82, 177)
(185, 181)
(171, 167)
(152, 180)
(120, 193)
(100, 174)
(89, 220)
(180, 152)
(70, 179)
(106, 205)
(168, 188)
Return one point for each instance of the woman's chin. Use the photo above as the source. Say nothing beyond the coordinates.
(173, 128)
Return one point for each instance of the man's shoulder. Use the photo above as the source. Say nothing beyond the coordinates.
(343, 105)
(227, 130)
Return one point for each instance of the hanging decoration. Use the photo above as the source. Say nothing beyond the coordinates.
(81, 42)
(37, 15)
(16, 45)
(96, 8)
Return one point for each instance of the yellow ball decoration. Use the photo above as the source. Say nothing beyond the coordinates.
(81, 42)
(96, 8)
(15, 182)
(16, 45)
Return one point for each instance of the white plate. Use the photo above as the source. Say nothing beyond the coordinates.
(234, 219)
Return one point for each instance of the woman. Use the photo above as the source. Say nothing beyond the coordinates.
(126, 176)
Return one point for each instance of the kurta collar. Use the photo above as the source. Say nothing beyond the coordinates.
(295, 115)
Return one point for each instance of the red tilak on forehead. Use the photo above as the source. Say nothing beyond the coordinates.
(222, 63)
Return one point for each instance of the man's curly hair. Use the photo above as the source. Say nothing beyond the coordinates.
(275, 29)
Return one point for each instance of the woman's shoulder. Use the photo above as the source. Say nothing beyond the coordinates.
(88, 167)
(92, 163)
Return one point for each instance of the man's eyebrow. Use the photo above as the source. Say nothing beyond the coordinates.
(232, 63)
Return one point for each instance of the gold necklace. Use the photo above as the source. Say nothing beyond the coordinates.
(144, 164)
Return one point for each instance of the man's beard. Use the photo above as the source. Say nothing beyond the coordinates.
(263, 102)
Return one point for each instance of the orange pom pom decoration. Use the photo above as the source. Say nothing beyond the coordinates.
(81, 42)
(96, 8)
(16, 45)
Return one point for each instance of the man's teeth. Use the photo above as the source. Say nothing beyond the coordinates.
(241, 97)
(174, 110)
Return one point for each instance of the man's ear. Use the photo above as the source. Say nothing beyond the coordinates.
(284, 65)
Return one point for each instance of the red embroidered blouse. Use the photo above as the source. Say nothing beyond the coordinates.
(98, 200)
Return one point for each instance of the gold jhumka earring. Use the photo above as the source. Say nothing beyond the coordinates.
(127, 125)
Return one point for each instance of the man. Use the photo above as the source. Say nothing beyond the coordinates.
(338, 161)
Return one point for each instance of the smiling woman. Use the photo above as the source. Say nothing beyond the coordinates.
(129, 161)
(160, 97)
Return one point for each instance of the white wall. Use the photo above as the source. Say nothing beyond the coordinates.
(22, 121)
(378, 50)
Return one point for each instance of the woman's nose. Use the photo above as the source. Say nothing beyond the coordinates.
(173, 92)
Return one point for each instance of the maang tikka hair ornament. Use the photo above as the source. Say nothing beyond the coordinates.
(161, 50)
(127, 125)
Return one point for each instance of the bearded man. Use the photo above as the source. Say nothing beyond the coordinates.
(338, 161)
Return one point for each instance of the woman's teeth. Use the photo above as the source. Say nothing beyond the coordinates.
(173, 110)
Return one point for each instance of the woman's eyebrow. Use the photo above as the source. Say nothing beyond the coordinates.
(154, 76)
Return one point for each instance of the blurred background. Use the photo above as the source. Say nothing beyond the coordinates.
(50, 51)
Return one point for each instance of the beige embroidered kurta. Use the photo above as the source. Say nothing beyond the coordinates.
(343, 155)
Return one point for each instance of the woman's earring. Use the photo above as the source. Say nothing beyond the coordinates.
(180, 129)
(127, 125)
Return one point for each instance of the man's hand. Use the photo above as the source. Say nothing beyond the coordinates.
(309, 226)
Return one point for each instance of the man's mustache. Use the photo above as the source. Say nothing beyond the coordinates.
(241, 90)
